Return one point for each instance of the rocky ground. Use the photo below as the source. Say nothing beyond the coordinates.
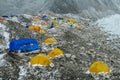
(81, 48)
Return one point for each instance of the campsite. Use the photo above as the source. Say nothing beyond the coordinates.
(54, 46)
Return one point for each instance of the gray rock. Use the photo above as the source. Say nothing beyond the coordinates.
(68, 55)
(73, 57)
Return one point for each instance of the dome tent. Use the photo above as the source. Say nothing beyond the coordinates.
(25, 44)
(40, 59)
(33, 27)
(50, 41)
(99, 66)
(55, 53)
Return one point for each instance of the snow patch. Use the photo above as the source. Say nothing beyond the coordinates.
(4, 33)
(2, 60)
(27, 16)
(22, 72)
(111, 24)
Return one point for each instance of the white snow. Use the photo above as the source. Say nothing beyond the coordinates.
(5, 34)
(2, 60)
(111, 24)
(14, 19)
(1, 56)
(22, 72)
(27, 16)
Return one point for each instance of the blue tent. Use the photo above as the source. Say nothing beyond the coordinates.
(44, 17)
(60, 18)
(25, 44)
(5, 16)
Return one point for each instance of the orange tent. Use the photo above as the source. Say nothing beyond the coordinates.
(36, 18)
(2, 19)
(36, 28)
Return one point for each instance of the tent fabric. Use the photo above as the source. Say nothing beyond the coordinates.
(40, 59)
(43, 31)
(44, 17)
(26, 44)
(99, 66)
(60, 18)
(54, 53)
(5, 16)
(2, 19)
(36, 28)
(50, 41)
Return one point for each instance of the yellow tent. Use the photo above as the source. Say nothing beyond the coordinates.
(50, 41)
(31, 27)
(36, 19)
(54, 21)
(99, 66)
(40, 59)
(56, 26)
(79, 27)
(71, 21)
(44, 24)
(43, 31)
(54, 53)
